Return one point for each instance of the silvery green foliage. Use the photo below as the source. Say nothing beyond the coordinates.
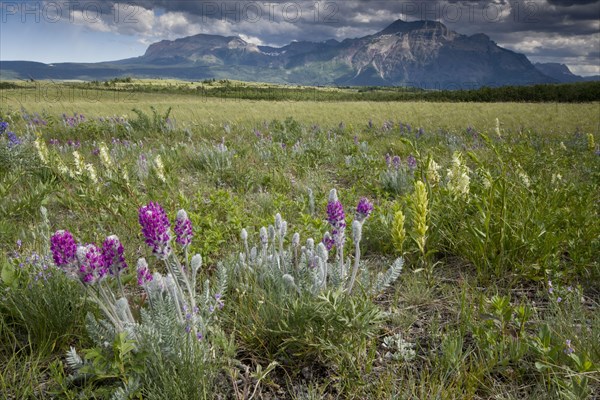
(302, 268)
(127, 391)
(264, 150)
(74, 361)
(397, 180)
(398, 348)
(216, 159)
(174, 321)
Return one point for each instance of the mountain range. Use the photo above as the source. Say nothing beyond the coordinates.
(423, 54)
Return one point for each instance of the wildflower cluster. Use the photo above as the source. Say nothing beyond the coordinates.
(179, 285)
(12, 138)
(37, 266)
(176, 317)
(458, 177)
(432, 173)
(156, 229)
(420, 210)
(183, 229)
(559, 294)
(398, 230)
(89, 263)
(398, 176)
(306, 268)
(337, 219)
(159, 168)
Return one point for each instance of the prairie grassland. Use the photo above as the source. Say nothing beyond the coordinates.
(470, 271)
(192, 110)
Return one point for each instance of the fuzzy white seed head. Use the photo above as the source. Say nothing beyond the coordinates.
(278, 221)
(322, 252)
(283, 229)
(333, 197)
(196, 262)
(271, 233)
(182, 215)
(264, 236)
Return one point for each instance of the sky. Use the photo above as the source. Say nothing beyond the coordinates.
(563, 31)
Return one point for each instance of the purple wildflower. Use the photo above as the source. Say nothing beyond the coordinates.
(411, 161)
(112, 253)
(335, 213)
(13, 140)
(328, 241)
(396, 162)
(155, 228)
(220, 302)
(91, 264)
(143, 272)
(3, 127)
(388, 160)
(336, 218)
(569, 349)
(363, 209)
(183, 229)
(63, 247)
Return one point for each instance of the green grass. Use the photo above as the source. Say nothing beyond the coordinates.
(192, 111)
(475, 303)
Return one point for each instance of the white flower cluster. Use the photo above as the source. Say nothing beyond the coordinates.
(42, 150)
(105, 157)
(159, 168)
(79, 165)
(458, 177)
(432, 173)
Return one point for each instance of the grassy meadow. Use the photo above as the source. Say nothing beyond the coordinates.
(457, 258)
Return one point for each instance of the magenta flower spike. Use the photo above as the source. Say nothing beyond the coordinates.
(63, 248)
(112, 253)
(183, 229)
(91, 264)
(156, 229)
(143, 272)
(363, 209)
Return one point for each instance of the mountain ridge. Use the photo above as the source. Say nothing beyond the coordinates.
(425, 54)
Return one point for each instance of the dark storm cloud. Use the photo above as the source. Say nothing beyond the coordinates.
(569, 3)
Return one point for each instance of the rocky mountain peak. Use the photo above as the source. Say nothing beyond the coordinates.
(400, 26)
